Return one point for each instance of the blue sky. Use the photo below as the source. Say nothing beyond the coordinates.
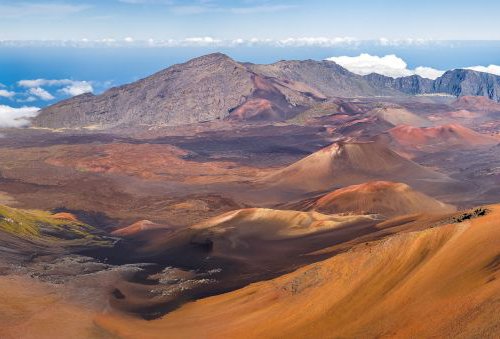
(176, 19)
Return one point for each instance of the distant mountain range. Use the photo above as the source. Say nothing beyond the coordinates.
(458, 82)
(215, 87)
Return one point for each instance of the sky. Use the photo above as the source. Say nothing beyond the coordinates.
(247, 19)
(51, 50)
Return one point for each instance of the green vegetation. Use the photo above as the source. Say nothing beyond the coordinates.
(41, 226)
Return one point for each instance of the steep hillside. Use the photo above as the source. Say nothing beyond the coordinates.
(413, 84)
(462, 82)
(201, 89)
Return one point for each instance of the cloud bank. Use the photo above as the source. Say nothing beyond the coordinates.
(66, 86)
(41, 93)
(6, 94)
(197, 41)
(493, 69)
(16, 117)
(389, 65)
(78, 88)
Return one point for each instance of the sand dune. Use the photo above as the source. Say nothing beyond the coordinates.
(430, 283)
(269, 224)
(343, 164)
(379, 197)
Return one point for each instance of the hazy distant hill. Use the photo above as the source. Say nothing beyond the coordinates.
(216, 87)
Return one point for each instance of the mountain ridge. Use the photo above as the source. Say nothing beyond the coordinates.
(216, 87)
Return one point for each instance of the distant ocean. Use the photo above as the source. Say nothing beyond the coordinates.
(107, 67)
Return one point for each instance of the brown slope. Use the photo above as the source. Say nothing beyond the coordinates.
(430, 283)
(326, 77)
(476, 104)
(377, 197)
(439, 137)
(343, 164)
(398, 115)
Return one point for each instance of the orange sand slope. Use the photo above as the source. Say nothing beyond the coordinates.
(31, 309)
(269, 224)
(442, 281)
(379, 197)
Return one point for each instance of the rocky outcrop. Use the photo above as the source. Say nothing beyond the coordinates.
(461, 82)
(458, 82)
(413, 84)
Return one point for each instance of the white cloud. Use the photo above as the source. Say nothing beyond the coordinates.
(44, 82)
(67, 86)
(202, 41)
(16, 117)
(41, 93)
(428, 72)
(405, 42)
(77, 88)
(493, 69)
(6, 94)
(28, 99)
(188, 42)
(389, 65)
